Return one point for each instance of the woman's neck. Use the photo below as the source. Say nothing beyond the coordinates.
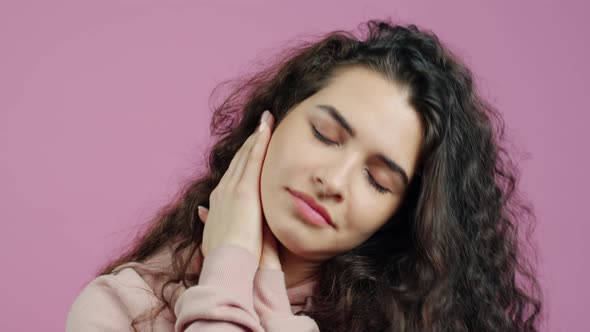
(296, 269)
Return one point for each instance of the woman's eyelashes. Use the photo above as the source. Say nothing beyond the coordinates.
(331, 143)
(323, 138)
(374, 183)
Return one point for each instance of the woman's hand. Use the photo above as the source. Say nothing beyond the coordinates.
(235, 211)
(269, 257)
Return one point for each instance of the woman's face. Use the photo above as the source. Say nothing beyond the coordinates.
(350, 177)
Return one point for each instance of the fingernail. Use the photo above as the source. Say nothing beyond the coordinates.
(263, 120)
(200, 208)
(265, 116)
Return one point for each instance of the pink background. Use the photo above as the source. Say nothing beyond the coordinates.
(104, 113)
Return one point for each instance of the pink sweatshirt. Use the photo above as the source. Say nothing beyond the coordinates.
(232, 295)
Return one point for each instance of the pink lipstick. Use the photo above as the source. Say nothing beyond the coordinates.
(310, 210)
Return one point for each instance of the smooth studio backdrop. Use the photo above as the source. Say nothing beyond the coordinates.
(104, 113)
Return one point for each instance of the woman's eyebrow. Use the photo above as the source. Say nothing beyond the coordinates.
(337, 116)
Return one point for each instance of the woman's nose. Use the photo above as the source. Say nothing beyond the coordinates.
(335, 178)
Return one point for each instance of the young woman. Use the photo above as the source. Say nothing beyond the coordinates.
(373, 195)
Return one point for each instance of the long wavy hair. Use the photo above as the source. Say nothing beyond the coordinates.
(451, 257)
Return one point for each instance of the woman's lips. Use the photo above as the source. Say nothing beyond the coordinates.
(308, 209)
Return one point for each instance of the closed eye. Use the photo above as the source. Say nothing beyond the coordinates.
(331, 143)
(323, 138)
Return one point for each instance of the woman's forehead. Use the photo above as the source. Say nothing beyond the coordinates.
(368, 99)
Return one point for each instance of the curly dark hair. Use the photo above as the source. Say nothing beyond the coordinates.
(451, 257)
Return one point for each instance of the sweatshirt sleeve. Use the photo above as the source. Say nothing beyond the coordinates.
(222, 301)
(103, 305)
(272, 304)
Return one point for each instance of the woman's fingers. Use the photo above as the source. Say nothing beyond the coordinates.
(241, 160)
(236, 166)
(229, 175)
(203, 212)
(254, 166)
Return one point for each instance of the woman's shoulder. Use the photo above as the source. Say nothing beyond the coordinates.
(110, 302)
(114, 300)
